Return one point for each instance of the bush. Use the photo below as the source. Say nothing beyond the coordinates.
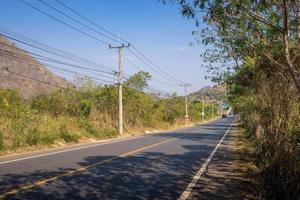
(69, 115)
(68, 137)
(33, 137)
(1, 141)
(48, 138)
(63, 103)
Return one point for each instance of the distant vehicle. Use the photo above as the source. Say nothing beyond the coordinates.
(224, 115)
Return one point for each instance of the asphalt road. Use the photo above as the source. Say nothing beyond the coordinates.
(154, 166)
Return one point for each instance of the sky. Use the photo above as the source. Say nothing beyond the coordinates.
(157, 30)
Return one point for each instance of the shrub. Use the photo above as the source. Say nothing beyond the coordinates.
(48, 138)
(33, 137)
(68, 137)
(1, 141)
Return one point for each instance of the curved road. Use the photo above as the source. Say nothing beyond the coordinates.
(153, 166)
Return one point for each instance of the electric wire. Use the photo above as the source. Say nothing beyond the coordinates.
(90, 21)
(64, 23)
(44, 58)
(45, 64)
(159, 71)
(109, 32)
(38, 45)
(75, 20)
(139, 68)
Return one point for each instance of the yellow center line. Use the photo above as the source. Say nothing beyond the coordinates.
(37, 183)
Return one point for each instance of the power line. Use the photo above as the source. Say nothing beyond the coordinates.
(90, 21)
(25, 76)
(38, 45)
(77, 29)
(10, 53)
(44, 58)
(151, 62)
(138, 57)
(64, 23)
(41, 81)
(36, 64)
(109, 32)
(3, 52)
(138, 68)
(157, 91)
(59, 62)
(177, 81)
(73, 19)
(73, 72)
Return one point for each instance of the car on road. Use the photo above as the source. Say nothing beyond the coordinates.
(224, 115)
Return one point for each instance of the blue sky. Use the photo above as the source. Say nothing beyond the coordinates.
(158, 30)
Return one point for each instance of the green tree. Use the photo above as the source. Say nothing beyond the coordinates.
(139, 80)
(237, 29)
(254, 46)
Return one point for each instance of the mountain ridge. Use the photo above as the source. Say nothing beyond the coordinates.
(21, 72)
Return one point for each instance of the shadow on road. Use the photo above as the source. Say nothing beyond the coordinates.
(162, 172)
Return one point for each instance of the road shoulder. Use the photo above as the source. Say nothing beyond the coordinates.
(230, 175)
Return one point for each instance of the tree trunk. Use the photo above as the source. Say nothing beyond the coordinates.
(298, 25)
(286, 35)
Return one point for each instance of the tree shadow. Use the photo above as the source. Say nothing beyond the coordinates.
(225, 177)
(162, 172)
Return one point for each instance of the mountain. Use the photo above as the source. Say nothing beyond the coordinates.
(21, 72)
(216, 92)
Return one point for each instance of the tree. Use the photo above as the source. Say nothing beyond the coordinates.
(253, 46)
(236, 29)
(138, 81)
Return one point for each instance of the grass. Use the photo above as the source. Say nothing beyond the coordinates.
(68, 137)
(42, 130)
(1, 141)
(37, 131)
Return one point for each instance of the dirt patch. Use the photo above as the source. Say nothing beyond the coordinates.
(231, 173)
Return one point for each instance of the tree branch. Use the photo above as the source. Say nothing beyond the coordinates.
(261, 19)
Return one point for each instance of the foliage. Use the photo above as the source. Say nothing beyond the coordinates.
(138, 81)
(89, 111)
(254, 47)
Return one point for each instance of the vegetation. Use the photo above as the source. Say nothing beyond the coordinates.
(90, 111)
(253, 47)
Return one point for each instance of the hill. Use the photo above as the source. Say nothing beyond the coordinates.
(217, 92)
(21, 72)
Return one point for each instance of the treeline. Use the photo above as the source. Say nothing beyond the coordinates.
(88, 111)
(269, 107)
(258, 43)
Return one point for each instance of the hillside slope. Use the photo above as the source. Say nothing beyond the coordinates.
(21, 72)
(217, 92)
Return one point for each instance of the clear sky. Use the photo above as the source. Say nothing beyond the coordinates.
(158, 30)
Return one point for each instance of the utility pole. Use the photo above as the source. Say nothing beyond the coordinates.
(218, 107)
(202, 113)
(212, 103)
(120, 74)
(186, 118)
(212, 108)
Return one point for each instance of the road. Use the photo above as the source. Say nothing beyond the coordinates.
(153, 166)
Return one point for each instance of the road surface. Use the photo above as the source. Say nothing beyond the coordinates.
(155, 166)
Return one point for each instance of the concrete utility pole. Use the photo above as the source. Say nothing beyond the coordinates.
(218, 107)
(120, 85)
(212, 108)
(212, 103)
(202, 113)
(186, 118)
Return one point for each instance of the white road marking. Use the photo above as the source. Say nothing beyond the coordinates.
(186, 193)
(85, 147)
(67, 150)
